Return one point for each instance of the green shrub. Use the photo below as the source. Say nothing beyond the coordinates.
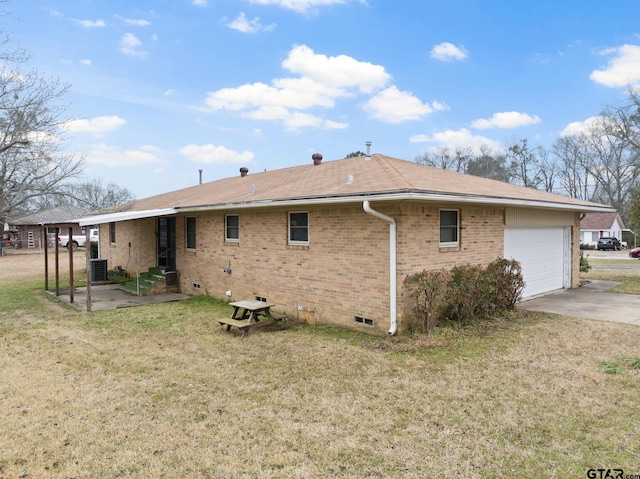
(94, 249)
(508, 284)
(584, 263)
(429, 296)
(469, 294)
(464, 294)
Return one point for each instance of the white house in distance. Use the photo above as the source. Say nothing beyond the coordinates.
(598, 225)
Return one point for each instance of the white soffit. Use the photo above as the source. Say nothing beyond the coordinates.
(124, 216)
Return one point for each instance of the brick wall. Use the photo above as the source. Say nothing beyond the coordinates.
(342, 273)
(140, 256)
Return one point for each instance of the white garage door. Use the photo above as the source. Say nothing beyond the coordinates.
(542, 253)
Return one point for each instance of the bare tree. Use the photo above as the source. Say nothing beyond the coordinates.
(92, 195)
(574, 175)
(612, 160)
(31, 132)
(549, 169)
(446, 159)
(524, 164)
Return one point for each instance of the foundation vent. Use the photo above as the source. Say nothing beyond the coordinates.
(363, 321)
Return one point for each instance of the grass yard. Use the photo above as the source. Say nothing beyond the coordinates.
(163, 391)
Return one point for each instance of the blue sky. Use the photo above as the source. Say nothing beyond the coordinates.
(163, 88)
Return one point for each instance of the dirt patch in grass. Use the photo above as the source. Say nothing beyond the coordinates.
(164, 391)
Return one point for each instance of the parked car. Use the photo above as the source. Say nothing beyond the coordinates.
(634, 253)
(608, 243)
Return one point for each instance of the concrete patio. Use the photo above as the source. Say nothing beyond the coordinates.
(109, 296)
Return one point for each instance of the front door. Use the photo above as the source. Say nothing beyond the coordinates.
(167, 243)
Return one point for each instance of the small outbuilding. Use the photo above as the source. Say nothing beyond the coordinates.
(29, 227)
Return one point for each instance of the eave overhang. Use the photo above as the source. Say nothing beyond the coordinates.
(349, 199)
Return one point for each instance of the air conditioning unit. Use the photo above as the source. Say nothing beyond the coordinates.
(98, 270)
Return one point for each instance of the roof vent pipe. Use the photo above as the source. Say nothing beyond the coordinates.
(244, 171)
(200, 173)
(317, 158)
(368, 157)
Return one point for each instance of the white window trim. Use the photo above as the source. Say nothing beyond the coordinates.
(293, 242)
(226, 229)
(186, 233)
(115, 232)
(449, 243)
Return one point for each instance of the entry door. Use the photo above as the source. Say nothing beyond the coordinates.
(167, 243)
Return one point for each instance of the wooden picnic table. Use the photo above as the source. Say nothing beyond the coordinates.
(246, 314)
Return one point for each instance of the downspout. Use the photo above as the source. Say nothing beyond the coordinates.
(393, 290)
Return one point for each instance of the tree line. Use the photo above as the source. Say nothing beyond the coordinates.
(599, 163)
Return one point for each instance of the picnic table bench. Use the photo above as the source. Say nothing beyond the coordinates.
(246, 315)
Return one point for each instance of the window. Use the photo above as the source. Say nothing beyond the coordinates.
(449, 227)
(232, 227)
(112, 232)
(298, 227)
(190, 228)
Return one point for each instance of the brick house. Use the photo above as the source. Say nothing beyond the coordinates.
(333, 241)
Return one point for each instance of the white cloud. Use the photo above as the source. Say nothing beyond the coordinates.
(342, 71)
(323, 81)
(102, 154)
(86, 62)
(215, 154)
(462, 138)
(579, 127)
(506, 119)
(622, 70)
(446, 51)
(98, 125)
(395, 106)
(54, 12)
(243, 25)
(130, 44)
(200, 3)
(302, 6)
(294, 121)
(136, 22)
(91, 23)
(299, 93)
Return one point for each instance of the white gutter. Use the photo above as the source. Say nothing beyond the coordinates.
(393, 293)
(404, 196)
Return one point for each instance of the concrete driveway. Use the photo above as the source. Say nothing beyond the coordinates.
(590, 301)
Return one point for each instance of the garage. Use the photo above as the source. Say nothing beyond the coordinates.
(543, 253)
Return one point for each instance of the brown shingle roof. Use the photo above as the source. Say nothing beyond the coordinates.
(56, 215)
(599, 221)
(348, 177)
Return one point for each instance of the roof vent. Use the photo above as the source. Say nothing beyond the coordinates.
(317, 158)
(244, 171)
(368, 157)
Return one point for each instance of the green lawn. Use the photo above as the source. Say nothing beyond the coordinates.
(164, 391)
